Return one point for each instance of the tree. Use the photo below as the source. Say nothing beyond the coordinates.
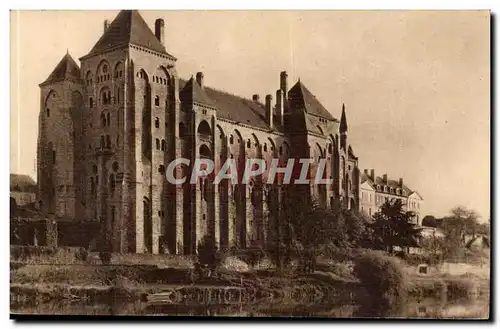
(429, 221)
(456, 227)
(393, 226)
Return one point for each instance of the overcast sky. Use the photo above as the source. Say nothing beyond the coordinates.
(416, 84)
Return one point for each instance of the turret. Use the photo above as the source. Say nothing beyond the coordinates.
(343, 129)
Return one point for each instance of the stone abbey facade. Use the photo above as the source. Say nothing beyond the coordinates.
(109, 128)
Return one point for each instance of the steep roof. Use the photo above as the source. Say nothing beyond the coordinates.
(229, 106)
(22, 183)
(312, 105)
(128, 28)
(66, 69)
(192, 92)
(390, 183)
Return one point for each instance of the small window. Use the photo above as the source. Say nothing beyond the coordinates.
(249, 144)
(53, 156)
(163, 146)
(204, 111)
(157, 101)
(108, 141)
(108, 119)
(157, 122)
(105, 68)
(265, 147)
(102, 142)
(115, 166)
(281, 150)
(231, 140)
(157, 144)
(94, 169)
(112, 183)
(48, 113)
(161, 169)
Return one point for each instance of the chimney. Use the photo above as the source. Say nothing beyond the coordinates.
(106, 25)
(199, 79)
(401, 182)
(269, 110)
(256, 98)
(284, 82)
(385, 178)
(159, 30)
(280, 106)
(372, 174)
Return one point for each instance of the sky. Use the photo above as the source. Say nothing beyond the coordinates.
(416, 85)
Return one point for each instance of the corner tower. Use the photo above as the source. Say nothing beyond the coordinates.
(59, 140)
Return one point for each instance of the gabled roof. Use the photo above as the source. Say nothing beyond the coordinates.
(22, 183)
(350, 153)
(299, 93)
(390, 183)
(66, 69)
(128, 28)
(234, 108)
(417, 194)
(192, 92)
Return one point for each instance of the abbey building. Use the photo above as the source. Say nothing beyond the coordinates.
(109, 127)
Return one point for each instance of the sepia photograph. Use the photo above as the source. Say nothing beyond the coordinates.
(320, 164)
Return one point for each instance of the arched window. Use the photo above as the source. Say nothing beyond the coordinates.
(249, 144)
(157, 144)
(157, 122)
(231, 140)
(265, 147)
(103, 119)
(157, 100)
(91, 102)
(112, 183)
(163, 146)
(48, 113)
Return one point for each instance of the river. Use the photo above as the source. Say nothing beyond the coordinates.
(477, 308)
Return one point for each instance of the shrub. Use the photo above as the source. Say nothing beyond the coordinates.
(207, 252)
(105, 257)
(383, 279)
(82, 254)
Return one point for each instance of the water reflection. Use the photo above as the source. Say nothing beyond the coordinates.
(413, 308)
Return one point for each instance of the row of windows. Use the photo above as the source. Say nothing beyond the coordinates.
(163, 146)
(106, 98)
(323, 120)
(386, 189)
(102, 78)
(160, 80)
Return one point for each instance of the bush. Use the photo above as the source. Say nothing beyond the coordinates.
(383, 279)
(207, 252)
(105, 257)
(82, 254)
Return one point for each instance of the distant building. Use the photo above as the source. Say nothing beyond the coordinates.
(23, 189)
(375, 191)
